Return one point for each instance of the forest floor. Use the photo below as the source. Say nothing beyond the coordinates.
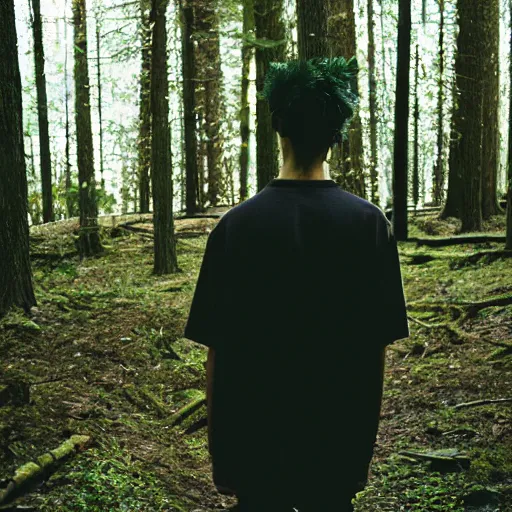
(103, 355)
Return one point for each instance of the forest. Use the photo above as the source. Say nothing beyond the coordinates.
(129, 127)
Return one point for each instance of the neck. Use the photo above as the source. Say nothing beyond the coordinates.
(289, 172)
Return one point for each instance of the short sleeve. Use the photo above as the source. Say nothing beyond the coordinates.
(204, 324)
(393, 312)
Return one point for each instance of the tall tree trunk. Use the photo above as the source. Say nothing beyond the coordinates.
(15, 272)
(208, 44)
(69, 201)
(100, 104)
(42, 111)
(400, 188)
(372, 90)
(161, 168)
(490, 138)
(245, 109)
(384, 87)
(416, 167)
(268, 17)
(509, 183)
(465, 178)
(189, 105)
(347, 161)
(144, 157)
(89, 237)
(438, 182)
(312, 29)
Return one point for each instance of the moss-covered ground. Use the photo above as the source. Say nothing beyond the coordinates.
(103, 355)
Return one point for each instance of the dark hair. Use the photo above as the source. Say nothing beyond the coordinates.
(312, 103)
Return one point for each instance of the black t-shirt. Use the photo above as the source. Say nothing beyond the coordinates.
(292, 281)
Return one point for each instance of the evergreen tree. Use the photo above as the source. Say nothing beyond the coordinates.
(144, 142)
(312, 29)
(415, 165)
(70, 204)
(400, 166)
(438, 182)
(15, 272)
(189, 105)
(161, 168)
(89, 238)
(491, 84)
(347, 161)
(100, 102)
(509, 179)
(372, 92)
(209, 74)
(464, 199)
(270, 47)
(245, 109)
(42, 111)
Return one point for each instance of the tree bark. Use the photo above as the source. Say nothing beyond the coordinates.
(189, 105)
(268, 17)
(70, 207)
(372, 91)
(312, 29)
(144, 162)
(15, 272)
(100, 104)
(245, 109)
(208, 44)
(509, 188)
(438, 183)
(415, 166)
(89, 238)
(471, 103)
(347, 160)
(491, 85)
(42, 112)
(161, 168)
(384, 87)
(400, 188)
(464, 199)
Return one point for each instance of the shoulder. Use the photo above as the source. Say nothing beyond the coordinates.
(242, 211)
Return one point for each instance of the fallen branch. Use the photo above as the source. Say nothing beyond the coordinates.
(473, 306)
(29, 473)
(187, 411)
(129, 227)
(482, 402)
(456, 240)
(428, 326)
(443, 460)
(148, 233)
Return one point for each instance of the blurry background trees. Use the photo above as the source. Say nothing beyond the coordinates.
(222, 145)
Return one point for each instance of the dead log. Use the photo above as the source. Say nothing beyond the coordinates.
(476, 403)
(52, 257)
(26, 475)
(457, 240)
(472, 259)
(201, 216)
